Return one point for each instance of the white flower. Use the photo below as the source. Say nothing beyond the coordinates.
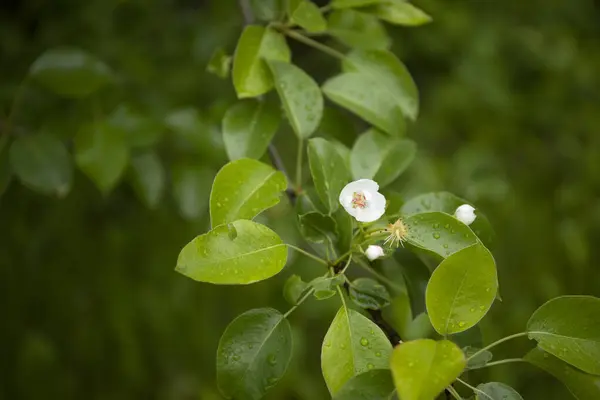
(374, 252)
(465, 214)
(362, 200)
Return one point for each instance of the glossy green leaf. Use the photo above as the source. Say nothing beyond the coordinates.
(461, 290)
(256, 253)
(293, 289)
(149, 178)
(251, 76)
(191, 186)
(448, 203)
(368, 293)
(253, 354)
(438, 232)
(343, 151)
(419, 328)
(300, 95)
(42, 163)
(478, 361)
(376, 384)
(307, 15)
(399, 313)
(568, 328)
(337, 125)
(344, 225)
(496, 391)
(364, 95)
(352, 3)
(384, 66)
(423, 368)
(219, 63)
(243, 189)
(139, 130)
(400, 12)
(353, 345)
(317, 228)
(101, 152)
(70, 72)
(583, 386)
(357, 29)
(248, 127)
(326, 287)
(380, 157)
(328, 172)
(267, 10)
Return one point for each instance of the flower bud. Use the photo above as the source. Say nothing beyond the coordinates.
(374, 252)
(465, 214)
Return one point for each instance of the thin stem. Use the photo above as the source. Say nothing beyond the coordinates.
(307, 254)
(299, 165)
(454, 393)
(299, 302)
(341, 258)
(379, 276)
(339, 289)
(496, 343)
(474, 389)
(347, 265)
(505, 361)
(246, 11)
(313, 43)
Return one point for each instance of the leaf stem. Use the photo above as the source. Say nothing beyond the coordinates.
(339, 289)
(299, 302)
(496, 343)
(347, 265)
(379, 276)
(299, 157)
(313, 43)
(454, 393)
(474, 389)
(307, 254)
(505, 361)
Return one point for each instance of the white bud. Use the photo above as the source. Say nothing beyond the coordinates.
(465, 214)
(374, 252)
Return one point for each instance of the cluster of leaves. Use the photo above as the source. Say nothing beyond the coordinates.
(358, 356)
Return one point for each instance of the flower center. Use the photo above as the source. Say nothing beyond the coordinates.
(359, 200)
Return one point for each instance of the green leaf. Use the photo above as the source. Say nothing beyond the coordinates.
(328, 172)
(376, 384)
(567, 327)
(219, 63)
(448, 203)
(255, 254)
(307, 15)
(248, 127)
(357, 29)
(42, 163)
(139, 130)
(368, 293)
(300, 95)
(496, 391)
(419, 328)
(364, 95)
(352, 3)
(384, 66)
(399, 313)
(267, 10)
(380, 157)
(438, 233)
(469, 338)
(191, 185)
(423, 368)
(583, 386)
(343, 222)
(461, 290)
(480, 360)
(243, 189)
(293, 289)
(251, 76)
(70, 72)
(325, 287)
(149, 178)
(253, 354)
(353, 345)
(102, 154)
(317, 228)
(400, 12)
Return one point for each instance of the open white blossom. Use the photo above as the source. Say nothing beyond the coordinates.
(374, 252)
(362, 200)
(465, 214)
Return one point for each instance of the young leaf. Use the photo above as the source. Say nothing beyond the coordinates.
(256, 253)
(583, 386)
(243, 189)
(267, 10)
(294, 288)
(219, 63)
(307, 15)
(353, 345)
(300, 95)
(399, 313)
(400, 12)
(248, 127)
(368, 293)
(102, 154)
(363, 95)
(357, 29)
(251, 76)
(149, 178)
(317, 228)
(70, 72)
(480, 360)
(140, 130)
(328, 172)
(343, 222)
(568, 328)
(42, 163)
(191, 184)
(439, 233)
(423, 368)
(326, 287)
(380, 157)
(496, 391)
(253, 354)
(352, 3)
(384, 66)
(461, 290)
(419, 328)
(376, 384)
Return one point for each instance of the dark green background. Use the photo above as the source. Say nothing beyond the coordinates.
(90, 306)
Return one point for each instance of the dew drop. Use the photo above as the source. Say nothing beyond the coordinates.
(452, 231)
(436, 235)
(482, 308)
(487, 289)
(466, 235)
(370, 366)
(364, 341)
(342, 346)
(436, 226)
(461, 324)
(250, 346)
(378, 354)
(410, 364)
(472, 309)
(235, 357)
(445, 245)
(447, 226)
(218, 204)
(327, 344)
(272, 359)
(272, 380)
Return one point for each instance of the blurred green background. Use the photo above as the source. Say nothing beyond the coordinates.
(90, 305)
